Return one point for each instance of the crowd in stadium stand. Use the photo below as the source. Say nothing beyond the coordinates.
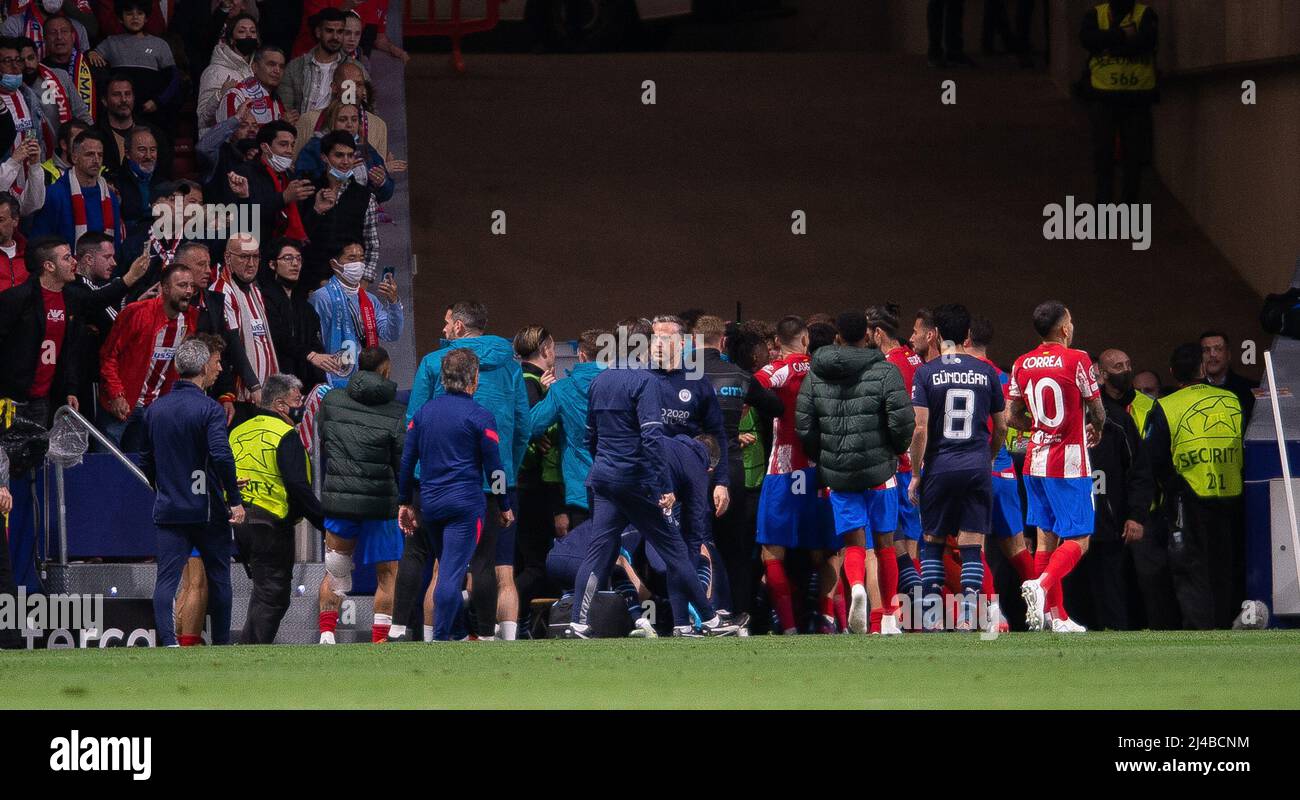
(207, 179)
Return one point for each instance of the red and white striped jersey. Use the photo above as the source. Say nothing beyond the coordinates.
(908, 363)
(246, 314)
(264, 106)
(1054, 381)
(784, 377)
(161, 353)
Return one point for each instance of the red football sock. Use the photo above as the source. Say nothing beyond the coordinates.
(987, 587)
(888, 561)
(855, 565)
(189, 639)
(378, 633)
(842, 604)
(329, 620)
(778, 588)
(876, 614)
(1041, 557)
(951, 571)
(1062, 561)
(1056, 602)
(1024, 564)
(826, 605)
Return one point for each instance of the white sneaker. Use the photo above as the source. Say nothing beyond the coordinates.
(858, 608)
(643, 630)
(327, 637)
(1067, 626)
(1035, 602)
(889, 626)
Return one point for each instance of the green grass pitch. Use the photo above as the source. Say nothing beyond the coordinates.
(1255, 669)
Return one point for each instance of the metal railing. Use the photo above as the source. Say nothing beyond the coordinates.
(61, 500)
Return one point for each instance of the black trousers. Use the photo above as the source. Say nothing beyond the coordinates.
(1132, 124)
(1097, 588)
(10, 637)
(533, 541)
(943, 19)
(1152, 601)
(495, 549)
(734, 539)
(1206, 564)
(408, 587)
(266, 548)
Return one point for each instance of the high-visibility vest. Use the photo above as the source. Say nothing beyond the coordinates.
(254, 444)
(1205, 437)
(1122, 73)
(551, 461)
(1139, 409)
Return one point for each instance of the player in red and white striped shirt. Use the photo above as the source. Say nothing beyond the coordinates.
(1054, 394)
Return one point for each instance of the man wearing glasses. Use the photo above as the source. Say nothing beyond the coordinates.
(246, 312)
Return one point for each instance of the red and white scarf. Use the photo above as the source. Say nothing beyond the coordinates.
(265, 107)
(79, 206)
(246, 313)
(16, 103)
(291, 225)
(50, 84)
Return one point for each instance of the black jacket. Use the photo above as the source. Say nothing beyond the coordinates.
(1125, 473)
(1241, 387)
(853, 417)
(262, 196)
(137, 215)
(737, 389)
(362, 431)
(22, 330)
(295, 329)
(346, 220)
(234, 361)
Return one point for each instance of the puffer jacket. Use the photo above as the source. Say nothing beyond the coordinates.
(501, 390)
(853, 417)
(226, 64)
(362, 432)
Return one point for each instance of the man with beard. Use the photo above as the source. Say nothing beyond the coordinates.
(120, 119)
(81, 200)
(246, 311)
(59, 101)
(258, 91)
(63, 51)
(136, 361)
(309, 76)
(60, 160)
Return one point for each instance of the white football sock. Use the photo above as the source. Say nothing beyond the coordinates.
(428, 633)
(507, 630)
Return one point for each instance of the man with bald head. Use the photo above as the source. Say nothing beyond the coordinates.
(1122, 492)
(246, 312)
(348, 86)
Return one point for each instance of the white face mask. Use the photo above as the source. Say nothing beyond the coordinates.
(352, 272)
(279, 163)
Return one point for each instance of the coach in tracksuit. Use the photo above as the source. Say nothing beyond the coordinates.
(455, 441)
(630, 484)
(187, 458)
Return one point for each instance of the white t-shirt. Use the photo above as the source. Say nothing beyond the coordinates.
(320, 96)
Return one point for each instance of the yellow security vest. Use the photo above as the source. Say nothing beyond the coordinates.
(1205, 437)
(1126, 73)
(1139, 409)
(254, 444)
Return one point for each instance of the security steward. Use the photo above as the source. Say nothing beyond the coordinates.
(270, 459)
(1121, 38)
(1193, 438)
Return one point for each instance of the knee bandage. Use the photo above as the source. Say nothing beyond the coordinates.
(339, 567)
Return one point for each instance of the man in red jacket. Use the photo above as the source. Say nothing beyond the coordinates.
(135, 363)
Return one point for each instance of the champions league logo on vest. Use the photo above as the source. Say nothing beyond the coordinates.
(1110, 221)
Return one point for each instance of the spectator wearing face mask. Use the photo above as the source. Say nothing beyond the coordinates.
(138, 183)
(371, 168)
(353, 319)
(342, 209)
(231, 63)
(269, 185)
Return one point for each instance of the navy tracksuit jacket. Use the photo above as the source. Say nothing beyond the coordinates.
(187, 458)
(690, 407)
